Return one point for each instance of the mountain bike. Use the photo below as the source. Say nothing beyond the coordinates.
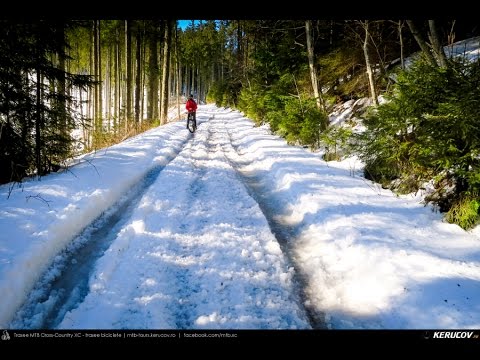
(191, 122)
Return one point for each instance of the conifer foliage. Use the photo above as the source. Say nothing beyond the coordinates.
(429, 130)
(36, 111)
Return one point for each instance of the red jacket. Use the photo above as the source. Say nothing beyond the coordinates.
(191, 105)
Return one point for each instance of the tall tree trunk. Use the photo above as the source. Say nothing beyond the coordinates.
(100, 79)
(91, 93)
(107, 87)
(166, 72)
(118, 80)
(160, 62)
(38, 120)
(152, 104)
(421, 42)
(172, 77)
(108, 84)
(187, 80)
(437, 44)
(38, 105)
(95, 74)
(138, 77)
(191, 80)
(239, 47)
(115, 80)
(26, 129)
(62, 105)
(313, 71)
(371, 80)
(199, 84)
(95, 66)
(128, 63)
(400, 36)
(179, 73)
(143, 76)
(84, 127)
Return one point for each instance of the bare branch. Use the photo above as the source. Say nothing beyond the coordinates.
(93, 166)
(38, 197)
(70, 171)
(12, 186)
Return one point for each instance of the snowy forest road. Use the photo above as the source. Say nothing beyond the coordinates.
(193, 245)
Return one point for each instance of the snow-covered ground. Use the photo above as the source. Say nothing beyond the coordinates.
(469, 49)
(199, 250)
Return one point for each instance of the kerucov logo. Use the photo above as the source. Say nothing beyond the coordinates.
(454, 335)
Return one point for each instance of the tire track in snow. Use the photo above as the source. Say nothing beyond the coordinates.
(226, 288)
(284, 233)
(196, 253)
(65, 282)
(185, 312)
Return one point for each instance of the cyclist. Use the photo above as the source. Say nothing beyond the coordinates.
(191, 107)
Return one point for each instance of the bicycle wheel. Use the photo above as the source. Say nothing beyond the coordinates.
(191, 124)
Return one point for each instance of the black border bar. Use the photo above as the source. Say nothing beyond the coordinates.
(127, 336)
